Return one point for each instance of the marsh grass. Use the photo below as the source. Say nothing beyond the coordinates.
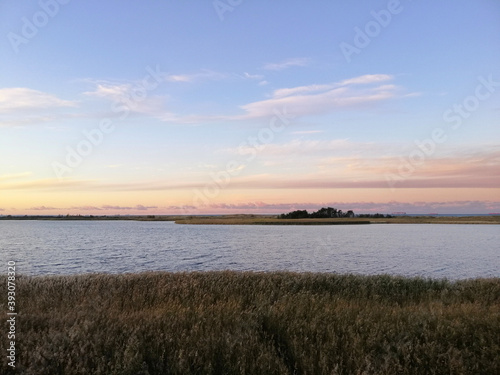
(269, 220)
(255, 323)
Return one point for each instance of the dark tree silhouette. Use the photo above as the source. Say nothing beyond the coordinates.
(328, 212)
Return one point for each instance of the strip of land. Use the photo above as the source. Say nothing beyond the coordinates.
(254, 323)
(248, 219)
(272, 220)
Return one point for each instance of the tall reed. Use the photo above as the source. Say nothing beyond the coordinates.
(254, 323)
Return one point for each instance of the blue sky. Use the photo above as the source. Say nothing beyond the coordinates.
(190, 91)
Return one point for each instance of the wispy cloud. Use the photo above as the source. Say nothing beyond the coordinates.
(345, 164)
(210, 75)
(465, 167)
(180, 78)
(450, 207)
(123, 94)
(310, 89)
(139, 207)
(367, 79)
(46, 184)
(356, 92)
(43, 208)
(300, 132)
(268, 181)
(85, 208)
(21, 98)
(112, 91)
(260, 207)
(324, 98)
(303, 147)
(15, 121)
(14, 176)
(106, 207)
(316, 88)
(20, 106)
(288, 63)
(258, 77)
(182, 208)
(195, 77)
(352, 165)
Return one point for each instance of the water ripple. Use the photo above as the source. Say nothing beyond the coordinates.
(58, 247)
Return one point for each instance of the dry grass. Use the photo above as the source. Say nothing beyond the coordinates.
(441, 220)
(248, 219)
(255, 323)
(266, 219)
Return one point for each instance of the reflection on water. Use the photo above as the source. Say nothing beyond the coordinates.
(67, 247)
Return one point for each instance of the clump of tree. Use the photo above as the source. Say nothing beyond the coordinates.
(298, 214)
(329, 212)
(376, 216)
(323, 212)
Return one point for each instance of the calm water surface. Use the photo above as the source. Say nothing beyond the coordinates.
(70, 247)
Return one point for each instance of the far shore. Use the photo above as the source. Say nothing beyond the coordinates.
(250, 219)
(272, 220)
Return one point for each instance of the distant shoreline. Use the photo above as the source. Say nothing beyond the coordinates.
(249, 219)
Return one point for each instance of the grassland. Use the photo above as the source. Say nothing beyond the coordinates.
(254, 323)
(267, 219)
(248, 219)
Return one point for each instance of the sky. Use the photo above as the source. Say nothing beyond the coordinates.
(235, 106)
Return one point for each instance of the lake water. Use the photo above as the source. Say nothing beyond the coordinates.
(74, 247)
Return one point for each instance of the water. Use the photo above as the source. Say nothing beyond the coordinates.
(74, 247)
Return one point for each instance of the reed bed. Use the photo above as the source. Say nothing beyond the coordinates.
(262, 219)
(254, 323)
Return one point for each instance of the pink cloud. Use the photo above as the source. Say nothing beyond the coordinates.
(452, 207)
(139, 207)
(260, 207)
(184, 207)
(43, 208)
(86, 208)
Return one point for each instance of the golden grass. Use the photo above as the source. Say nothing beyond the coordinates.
(267, 219)
(249, 219)
(255, 323)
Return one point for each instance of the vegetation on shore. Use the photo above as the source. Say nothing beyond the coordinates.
(254, 323)
(250, 219)
(94, 217)
(267, 219)
(328, 213)
(322, 213)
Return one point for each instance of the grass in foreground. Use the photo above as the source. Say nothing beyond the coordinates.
(255, 323)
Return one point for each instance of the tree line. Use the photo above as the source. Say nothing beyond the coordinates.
(328, 212)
